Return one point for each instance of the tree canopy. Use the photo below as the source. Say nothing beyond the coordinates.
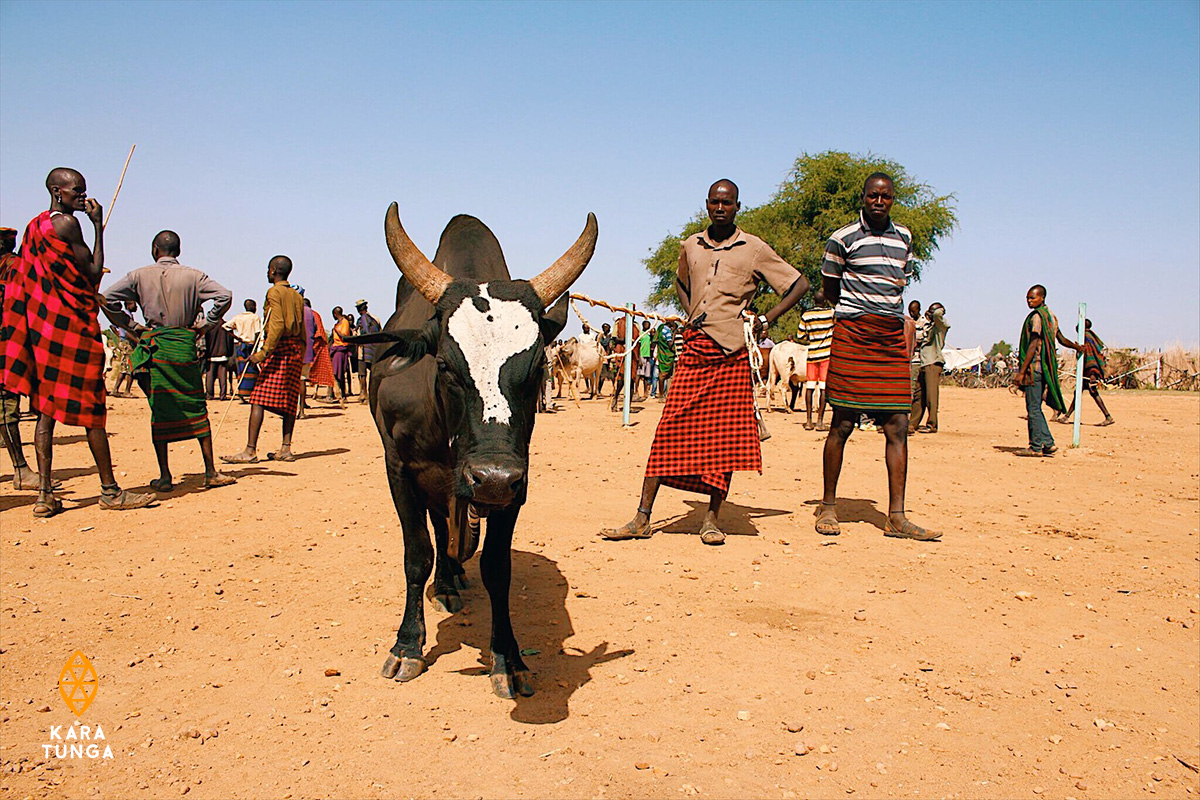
(1000, 348)
(821, 193)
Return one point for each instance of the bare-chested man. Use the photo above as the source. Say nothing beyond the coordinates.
(50, 349)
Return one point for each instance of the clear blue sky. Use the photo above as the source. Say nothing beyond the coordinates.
(1069, 133)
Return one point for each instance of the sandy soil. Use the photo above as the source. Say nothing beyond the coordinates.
(1046, 647)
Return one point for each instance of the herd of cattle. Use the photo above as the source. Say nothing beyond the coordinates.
(454, 395)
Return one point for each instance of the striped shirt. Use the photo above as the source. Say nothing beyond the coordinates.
(817, 325)
(873, 268)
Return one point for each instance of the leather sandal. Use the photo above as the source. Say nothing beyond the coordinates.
(124, 500)
(907, 530)
(827, 521)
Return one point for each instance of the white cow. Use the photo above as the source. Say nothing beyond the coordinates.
(788, 363)
(580, 358)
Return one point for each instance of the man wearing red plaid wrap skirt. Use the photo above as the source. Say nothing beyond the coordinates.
(277, 387)
(708, 428)
(864, 273)
(50, 347)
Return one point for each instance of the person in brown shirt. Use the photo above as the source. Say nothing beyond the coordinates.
(277, 388)
(708, 428)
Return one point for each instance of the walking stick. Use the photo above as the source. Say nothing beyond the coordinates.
(233, 395)
(117, 193)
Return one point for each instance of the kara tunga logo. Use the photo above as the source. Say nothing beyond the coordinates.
(78, 741)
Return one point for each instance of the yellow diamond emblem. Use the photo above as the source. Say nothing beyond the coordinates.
(77, 683)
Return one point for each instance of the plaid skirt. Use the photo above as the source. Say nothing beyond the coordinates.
(869, 365)
(177, 407)
(277, 387)
(707, 430)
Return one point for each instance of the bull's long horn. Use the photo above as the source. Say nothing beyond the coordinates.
(559, 276)
(418, 270)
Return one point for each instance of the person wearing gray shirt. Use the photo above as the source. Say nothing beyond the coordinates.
(925, 392)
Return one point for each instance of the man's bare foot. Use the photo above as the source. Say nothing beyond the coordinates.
(637, 528)
(218, 479)
(1107, 421)
(247, 456)
(26, 480)
(284, 453)
(47, 505)
(162, 484)
(898, 527)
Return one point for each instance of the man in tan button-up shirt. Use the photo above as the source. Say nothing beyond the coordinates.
(708, 430)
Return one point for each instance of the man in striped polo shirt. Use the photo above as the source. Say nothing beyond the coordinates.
(865, 271)
(817, 326)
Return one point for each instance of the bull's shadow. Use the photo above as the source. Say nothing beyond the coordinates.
(735, 520)
(542, 624)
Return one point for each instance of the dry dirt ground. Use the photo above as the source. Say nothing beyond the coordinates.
(1047, 647)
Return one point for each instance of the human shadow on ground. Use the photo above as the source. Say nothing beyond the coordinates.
(542, 625)
(186, 483)
(76, 438)
(734, 520)
(311, 413)
(856, 509)
(333, 451)
(1011, 449)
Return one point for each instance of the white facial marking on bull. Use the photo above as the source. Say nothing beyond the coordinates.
(488, 339)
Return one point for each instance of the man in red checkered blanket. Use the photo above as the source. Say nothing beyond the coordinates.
(708, 428)
(50, 348)
(277, 388)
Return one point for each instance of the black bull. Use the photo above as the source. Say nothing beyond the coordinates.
(454, 396)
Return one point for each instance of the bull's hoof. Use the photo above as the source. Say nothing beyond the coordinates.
(449, 601)
(402, 669)
(390, 667)
(509, 682)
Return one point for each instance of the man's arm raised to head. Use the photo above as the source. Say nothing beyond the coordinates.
(70, 231)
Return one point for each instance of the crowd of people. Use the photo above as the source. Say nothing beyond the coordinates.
(872, 363)
(53, 352)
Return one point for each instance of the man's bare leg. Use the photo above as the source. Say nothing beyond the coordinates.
(250, 454)
(895, 431)
(285, 449)
(821, 409)
(1094, 391)
(808, 408)
(840, 429)
(709, 532)
(23, 475)
(211, 476)
(639, 526)
(163, 484)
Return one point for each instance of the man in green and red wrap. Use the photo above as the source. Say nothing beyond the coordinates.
(864, 273)
(165, 365)
(50, 348)
(1038, 373)
(1094, 364)
(708, 429)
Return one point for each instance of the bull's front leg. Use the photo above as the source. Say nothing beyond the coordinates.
(448, 576)
(407, 657)
(509, 674)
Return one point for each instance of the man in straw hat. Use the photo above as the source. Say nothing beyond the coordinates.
(708, 428)
(164, 360)
(50, 349)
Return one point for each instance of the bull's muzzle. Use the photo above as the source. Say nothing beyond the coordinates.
(494, 484)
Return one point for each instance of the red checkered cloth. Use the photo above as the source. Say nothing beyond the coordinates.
(321, 373)
(278, 386)
(869, 365)
(50, 348)
(707, 428)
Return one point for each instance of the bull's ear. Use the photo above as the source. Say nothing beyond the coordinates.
(554, 319)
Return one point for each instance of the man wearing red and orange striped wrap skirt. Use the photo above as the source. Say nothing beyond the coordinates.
(864, 273)
(708, 429)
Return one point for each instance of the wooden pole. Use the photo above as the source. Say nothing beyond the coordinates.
(628, 363)
(1081, 331)
(118, 191)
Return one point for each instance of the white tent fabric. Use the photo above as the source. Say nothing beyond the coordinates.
(962, 358)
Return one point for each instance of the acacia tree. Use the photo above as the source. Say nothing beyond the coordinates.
(820, 194)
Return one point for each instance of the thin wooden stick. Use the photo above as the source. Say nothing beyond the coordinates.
(118, 191)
